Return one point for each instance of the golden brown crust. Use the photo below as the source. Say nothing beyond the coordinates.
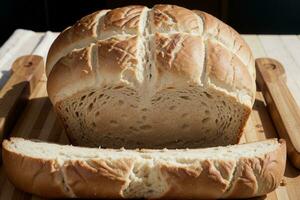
(80, 35)
(116, 55)
(181, 55)
(109, 58)
(252, 177)
(122, 20)
(260, 175)
(214, 28)
(47, 178)
(97, 178)
(76, 66)
(168, 18)
(186, 182)
(225, 70)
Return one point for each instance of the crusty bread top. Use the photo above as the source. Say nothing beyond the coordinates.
(150, 49)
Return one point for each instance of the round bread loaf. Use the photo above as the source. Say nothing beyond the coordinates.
(162, 77)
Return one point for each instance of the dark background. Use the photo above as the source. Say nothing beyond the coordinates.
(246, 16)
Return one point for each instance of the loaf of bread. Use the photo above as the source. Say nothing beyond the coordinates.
(51, 170)
(161, 77)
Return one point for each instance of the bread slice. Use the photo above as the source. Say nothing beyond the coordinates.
(53, 170)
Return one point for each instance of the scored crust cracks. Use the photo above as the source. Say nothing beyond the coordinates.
(145, 63)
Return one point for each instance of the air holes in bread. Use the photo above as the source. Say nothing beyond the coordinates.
(91, 93)
(157, 99)
(90, 107)
(206, 119)
(170, 88)
(83, 97)
(203, 103)
(185, 97)
(208, 95)
(172, 107)
(223, 102)
(118, 87)
(121, 102)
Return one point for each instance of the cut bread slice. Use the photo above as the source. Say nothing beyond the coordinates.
(52, 170)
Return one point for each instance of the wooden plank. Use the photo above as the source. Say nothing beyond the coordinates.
(281, 105)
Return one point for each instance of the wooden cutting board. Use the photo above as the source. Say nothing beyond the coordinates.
(25, 111)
